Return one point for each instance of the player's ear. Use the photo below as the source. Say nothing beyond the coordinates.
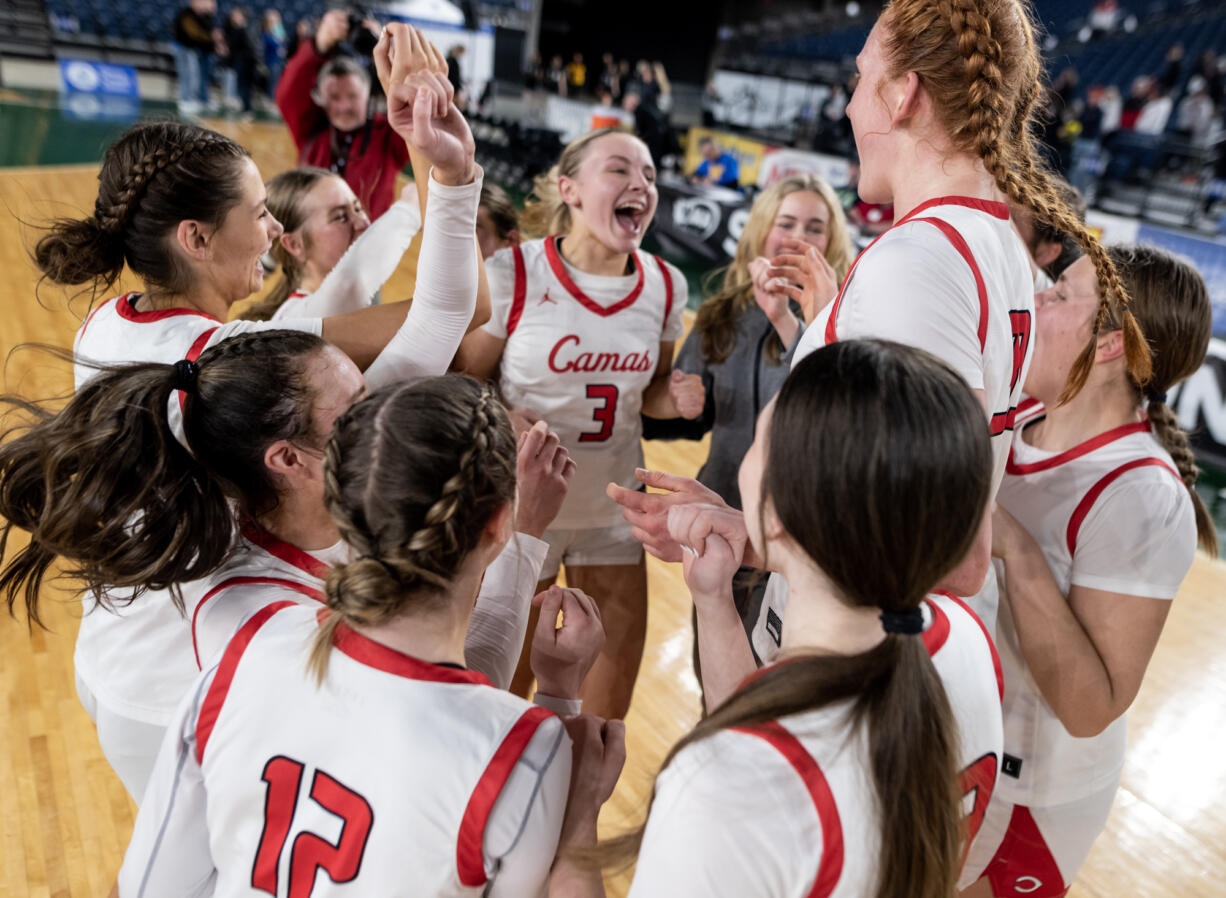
(500, 527)
(285, 459)
(294, 245)
(193, 238)
(568, 190)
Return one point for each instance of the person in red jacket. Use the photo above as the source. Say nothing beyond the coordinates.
(326, 104)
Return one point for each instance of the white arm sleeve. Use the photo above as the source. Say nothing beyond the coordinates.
(1139, 539)
(496, 630)
(728, 820)
(370, 261)
(521, 837)
(914, 288)
(169, 852)
(446, 292)
(500, 272)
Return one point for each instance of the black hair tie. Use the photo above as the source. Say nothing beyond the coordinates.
(1158, 397)
(391, 571)
(186, 374)
(907, 623)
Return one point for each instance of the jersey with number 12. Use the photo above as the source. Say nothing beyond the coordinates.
(580, 350)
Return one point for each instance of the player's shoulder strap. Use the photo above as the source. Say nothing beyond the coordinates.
(215, 697)
(308, 591)
(1077, 518)
(470, 858)
(521, 289)
(810, 772)
(945, 626)
(668, 288)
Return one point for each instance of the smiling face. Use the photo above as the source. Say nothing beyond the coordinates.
(613, 194)
(333, 220)
(802, 215)
(246, 233)
(344, 99)
(1064, 321)
(870, 120)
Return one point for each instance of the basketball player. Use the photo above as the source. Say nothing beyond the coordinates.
(1096, 529)
(183, 208)
(835, 770)
(416, 774)
(581, 334)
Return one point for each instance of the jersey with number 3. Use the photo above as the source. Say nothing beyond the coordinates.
(580, 350)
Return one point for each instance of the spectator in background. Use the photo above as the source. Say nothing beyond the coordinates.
(1171, 72)
(454, 74)
(272, 45)
(555, 77)
(326, 105)
(1194, 117)
(194, 46)
(304, 30)
(240, 60)
(606, 115)
(534, 74)
(1138, 96)
(652, 127)
(718, 167)
(610, 80)
(576, 75)
(649, 90)
(1155, 113)
(1209, 69)
(665, 98)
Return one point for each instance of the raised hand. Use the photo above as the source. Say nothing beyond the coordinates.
(544, 472)
(562, 656)
(647, 513)
(688, 393)
(712, 541)
(333, 28)
(801, 273)
(419, 104)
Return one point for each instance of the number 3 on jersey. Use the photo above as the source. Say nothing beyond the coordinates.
(603, 414)
(309, 853)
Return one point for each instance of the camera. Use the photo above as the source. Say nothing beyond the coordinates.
(360, 37)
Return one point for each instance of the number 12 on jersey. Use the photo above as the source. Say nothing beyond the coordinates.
(604, 414)
(309, 853)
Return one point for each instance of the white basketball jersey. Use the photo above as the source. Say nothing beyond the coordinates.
(788, 808)
(394, 777)
(951, 277)
(1110, 514)
(580, 350)
(137, 659)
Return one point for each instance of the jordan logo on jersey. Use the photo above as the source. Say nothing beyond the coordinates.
(547, 298)
(568, 355)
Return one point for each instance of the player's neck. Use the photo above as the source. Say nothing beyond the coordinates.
(312, 277)
(591, 256)
(1101, 405)
(206, 301)
(817, 621)
(302, 523)
(932, 175)
(437, 635)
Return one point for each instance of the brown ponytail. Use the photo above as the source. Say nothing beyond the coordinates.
(105, 485)
(979, 62)
(1172, 303)
(156, 175)
(921, 492)
(412, 475)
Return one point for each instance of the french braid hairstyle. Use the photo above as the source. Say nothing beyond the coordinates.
(412, 475)
(922, 492)
(155, 176)
(979, 62)
(104, 484)
(287, 201)
(1170, 299)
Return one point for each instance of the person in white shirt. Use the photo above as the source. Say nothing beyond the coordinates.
(416, 776)
(184, 209)
(835, 770)
(1096, 528)
(581, 334)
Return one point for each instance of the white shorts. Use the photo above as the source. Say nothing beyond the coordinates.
(593, 545)
(129, 746)
(1036, 852)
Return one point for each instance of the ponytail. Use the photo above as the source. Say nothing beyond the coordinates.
(1166, 430)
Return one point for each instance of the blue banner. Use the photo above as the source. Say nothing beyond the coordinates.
(1209, 258)
(88, 77)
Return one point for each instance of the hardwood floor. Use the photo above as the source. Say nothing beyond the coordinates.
(65, 818)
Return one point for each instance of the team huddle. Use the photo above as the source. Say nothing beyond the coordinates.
(932, 550)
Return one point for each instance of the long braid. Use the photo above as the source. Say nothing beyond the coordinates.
(1174, 440)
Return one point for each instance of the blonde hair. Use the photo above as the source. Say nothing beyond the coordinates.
(979, 63)
(718, 315)
(545, 212)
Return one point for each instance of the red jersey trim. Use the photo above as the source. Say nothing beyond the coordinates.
(470, 862)
(937, 633)
(381, 657)
(128, 312)
(831, 866)
(559, 270)
(220, 687)
(1091, 496)
(1109, 436)
(298, 294)
(193, 353)
(668, 288)
(308, 591)
(90, 316)
(279, 548)
(521, 289)
(1000, 675)
(981, 288)
(995, 209)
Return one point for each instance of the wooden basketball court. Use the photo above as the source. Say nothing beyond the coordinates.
(66, 818)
